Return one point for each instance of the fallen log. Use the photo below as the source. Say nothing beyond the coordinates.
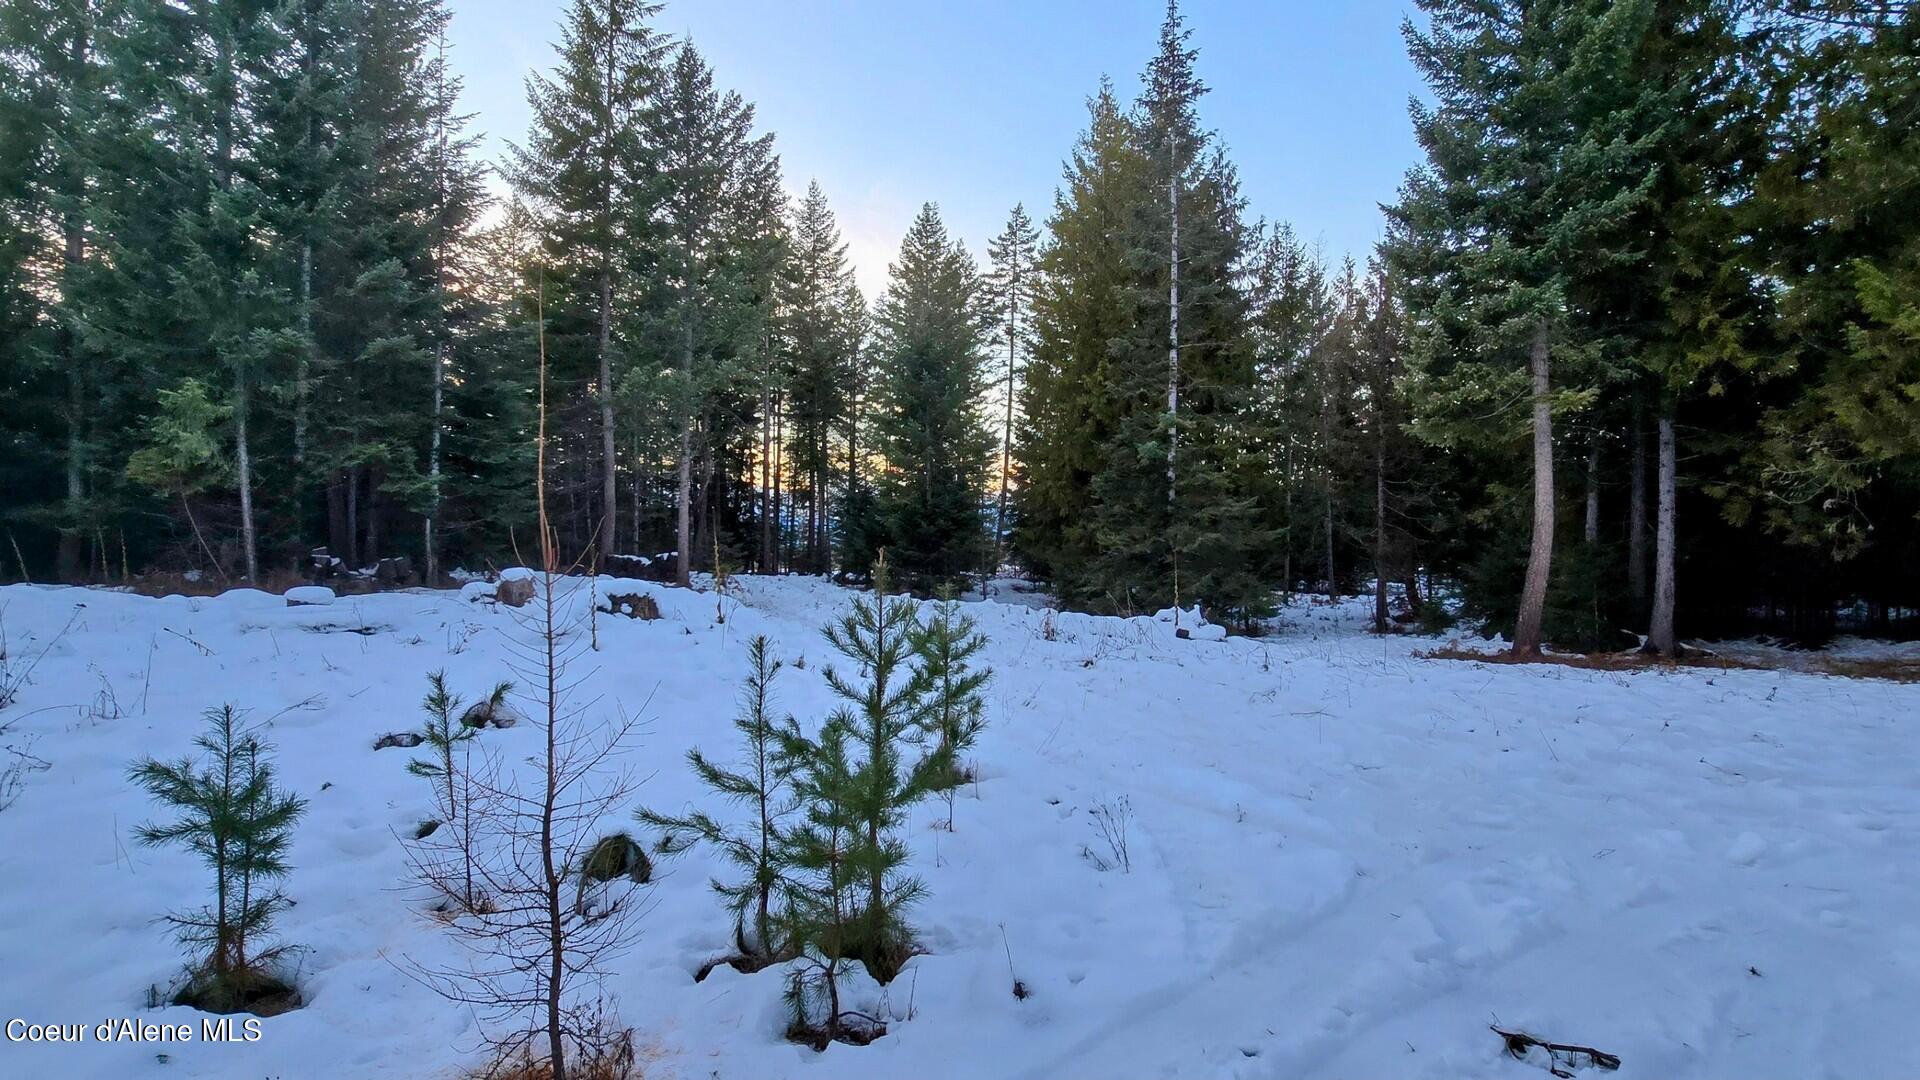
(1519, 1043)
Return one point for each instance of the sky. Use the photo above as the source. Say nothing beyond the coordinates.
(975, 105)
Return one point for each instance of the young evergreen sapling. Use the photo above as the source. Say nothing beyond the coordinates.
(234, 815)
(762, 783)
(883, 715)
(822, 902)
(944, 647)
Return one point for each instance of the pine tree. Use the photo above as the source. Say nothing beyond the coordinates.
(761, 850)
(1517, 212)
(458, 199)
(1290, 309)
(1177, 503)
(928, 379)
(820, 355)
(183, 452)
(1009, 288)
(588, 168)
(1081, 307)
(944, 647)
(449, 734)
(883, 715)
(821, 915)
(236, 818)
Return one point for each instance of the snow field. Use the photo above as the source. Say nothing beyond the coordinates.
(1344, 861)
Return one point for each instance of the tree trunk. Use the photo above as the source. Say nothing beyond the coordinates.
(1006, 429)
(337, 532)
(432, 551)
(1637, 512)
(243, 468)
(605, 540)
(1660, 633)
(1533, 596)
(74, 232)
(779, 465)
(302, 365)
(1592, 535)
(1380, 533)
(683, 570)
(1173, 336)
(375, 511)
(352, 550)
(766, 483)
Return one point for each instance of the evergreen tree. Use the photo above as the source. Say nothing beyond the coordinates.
(1009, 291)
(1174, 512)
(705, 146)
(882, 716)
(1290, 310)
(589, 168)
(1067, 413)
(944, 647)
(184, 453)
(820, 357)
(1520, 209)
(761, 850)
(822, 915)
(237, 819)
(926, 421)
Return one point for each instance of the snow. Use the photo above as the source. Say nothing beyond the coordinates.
(1345, 861)
(315, 595)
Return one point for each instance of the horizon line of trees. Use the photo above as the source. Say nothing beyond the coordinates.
(1637, 353)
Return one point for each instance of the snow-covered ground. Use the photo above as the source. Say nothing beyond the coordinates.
(1346, 862)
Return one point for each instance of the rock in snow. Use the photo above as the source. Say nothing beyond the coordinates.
(309, 596)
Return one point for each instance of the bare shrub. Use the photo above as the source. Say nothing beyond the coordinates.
(1111, 822)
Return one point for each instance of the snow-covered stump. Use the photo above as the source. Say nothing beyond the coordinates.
(309, 596)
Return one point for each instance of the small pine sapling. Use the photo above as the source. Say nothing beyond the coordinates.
(884, 715)
(449, 736)
(944, 646)
(234, 815)
(762, 783)
(822, 912)
(444, 734)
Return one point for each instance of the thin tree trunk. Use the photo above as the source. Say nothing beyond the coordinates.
(609, 498)
(1660, 633)
(375, 511)
(302, 362)
(1380, 533)
(243, 467)
(1637, 512)
(1173, 336)
(69, 554)
(1533, 596)
(353, 517)
(779, 465)
(766, 482)
(433, 467)
(337, 531)
(1006, 428)
(683, 572)
(1592, 535)
(74, 231)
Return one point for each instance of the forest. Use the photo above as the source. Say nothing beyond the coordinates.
(1637, 359)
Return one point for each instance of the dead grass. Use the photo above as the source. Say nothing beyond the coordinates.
(621, 1057)
(1893, 670)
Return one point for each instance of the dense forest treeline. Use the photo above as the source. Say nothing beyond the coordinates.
(1640, 352)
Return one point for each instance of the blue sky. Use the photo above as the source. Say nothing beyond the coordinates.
(974, 105)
